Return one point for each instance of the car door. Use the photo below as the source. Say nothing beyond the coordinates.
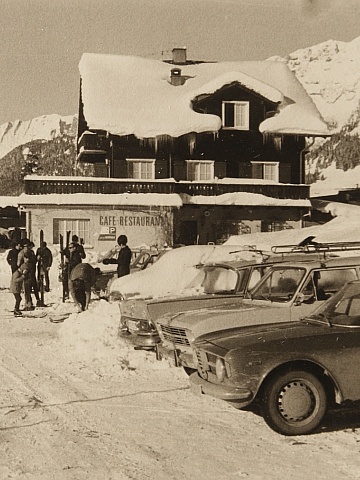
(320, 285)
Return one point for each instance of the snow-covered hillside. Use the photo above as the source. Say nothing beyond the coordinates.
(330, 73)
(47, 127)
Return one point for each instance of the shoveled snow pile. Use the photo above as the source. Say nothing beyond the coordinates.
(92, 336)
(345, 227)
(177, 270)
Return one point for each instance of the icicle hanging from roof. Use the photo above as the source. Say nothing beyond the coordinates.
(192, 142)
(278, 142)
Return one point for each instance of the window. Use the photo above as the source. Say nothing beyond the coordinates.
(268, 226)
(280, 285)
(235, 115)
(330, 281)
(78, 227)
(200, 170)
(265, 170)
(140, 168)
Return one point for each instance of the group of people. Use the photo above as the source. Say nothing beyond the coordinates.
(78, 277)
(82, 276)
(23, 262)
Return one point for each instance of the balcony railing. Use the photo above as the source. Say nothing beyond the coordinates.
(92, 148)
(37, 185)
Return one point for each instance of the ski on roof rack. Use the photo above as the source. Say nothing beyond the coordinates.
(315, 247)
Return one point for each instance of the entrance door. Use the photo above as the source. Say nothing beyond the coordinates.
(188, 232)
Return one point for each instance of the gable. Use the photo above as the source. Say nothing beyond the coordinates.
(127, 95)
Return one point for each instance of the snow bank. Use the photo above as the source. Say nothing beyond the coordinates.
(345, 227)
(176, 270)
(91, 337)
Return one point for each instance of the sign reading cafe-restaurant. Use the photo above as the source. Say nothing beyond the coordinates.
(131, 221)
(108, 223)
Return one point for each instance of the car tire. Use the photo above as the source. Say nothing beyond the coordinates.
(294, 403)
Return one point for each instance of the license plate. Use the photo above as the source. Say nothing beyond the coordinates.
(132, 326)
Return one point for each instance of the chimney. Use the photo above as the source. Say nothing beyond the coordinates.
(176, 78)
(179, 56)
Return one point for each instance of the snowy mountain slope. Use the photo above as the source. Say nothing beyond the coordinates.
(47, 127)
(330, 73)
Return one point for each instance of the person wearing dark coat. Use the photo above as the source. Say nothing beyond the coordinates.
(19, 276)
(44, 259)
(124, 257)
(30, 284)
(12, 256)
(82, 278)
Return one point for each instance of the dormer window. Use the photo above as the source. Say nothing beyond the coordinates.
(235, 115)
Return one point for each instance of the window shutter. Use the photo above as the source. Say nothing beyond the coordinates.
(245, 170)
(285, 173)
(161, 168)
(228, 115)
(130, 170)
(120, 168)
(220, 169)
(179, 170)
(257, 170)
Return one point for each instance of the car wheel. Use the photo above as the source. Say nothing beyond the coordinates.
(294, 403)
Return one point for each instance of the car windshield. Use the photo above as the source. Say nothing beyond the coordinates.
(220, 279)
(280, 285)
(343, 308)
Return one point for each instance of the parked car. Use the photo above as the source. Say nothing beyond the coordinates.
(293, 371)
(219, 283)
(287, 292)
(141, 260)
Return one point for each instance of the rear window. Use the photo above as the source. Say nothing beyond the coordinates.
(330, 281)
(220, 280)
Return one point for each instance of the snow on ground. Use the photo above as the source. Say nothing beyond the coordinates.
(176, 271)
(92, 336)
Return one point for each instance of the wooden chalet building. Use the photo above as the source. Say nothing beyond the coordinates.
(184, 151)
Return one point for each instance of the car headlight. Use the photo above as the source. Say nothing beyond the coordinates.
(220, 369)
(190, 336)
(116, 297)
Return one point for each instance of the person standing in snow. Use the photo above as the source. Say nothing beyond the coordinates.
(82, 278)
(30, 284)
(12, 256)
(19, 276)
(124, 257)
(74, 254)
(44, 259)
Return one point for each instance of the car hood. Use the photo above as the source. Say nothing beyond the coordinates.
(237, 314)
(152, 309)
(255, 336)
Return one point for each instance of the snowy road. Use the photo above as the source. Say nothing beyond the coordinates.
(62, 418)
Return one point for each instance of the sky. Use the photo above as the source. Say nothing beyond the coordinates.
(42, 41)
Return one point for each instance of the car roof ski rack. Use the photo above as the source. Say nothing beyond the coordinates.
(315, 247)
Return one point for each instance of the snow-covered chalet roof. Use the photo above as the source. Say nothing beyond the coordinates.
(127, 95)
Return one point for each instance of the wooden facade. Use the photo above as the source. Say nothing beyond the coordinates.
(232, 151)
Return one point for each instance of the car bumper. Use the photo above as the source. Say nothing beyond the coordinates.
(146, 340)
(180, 358)
(239, 397)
